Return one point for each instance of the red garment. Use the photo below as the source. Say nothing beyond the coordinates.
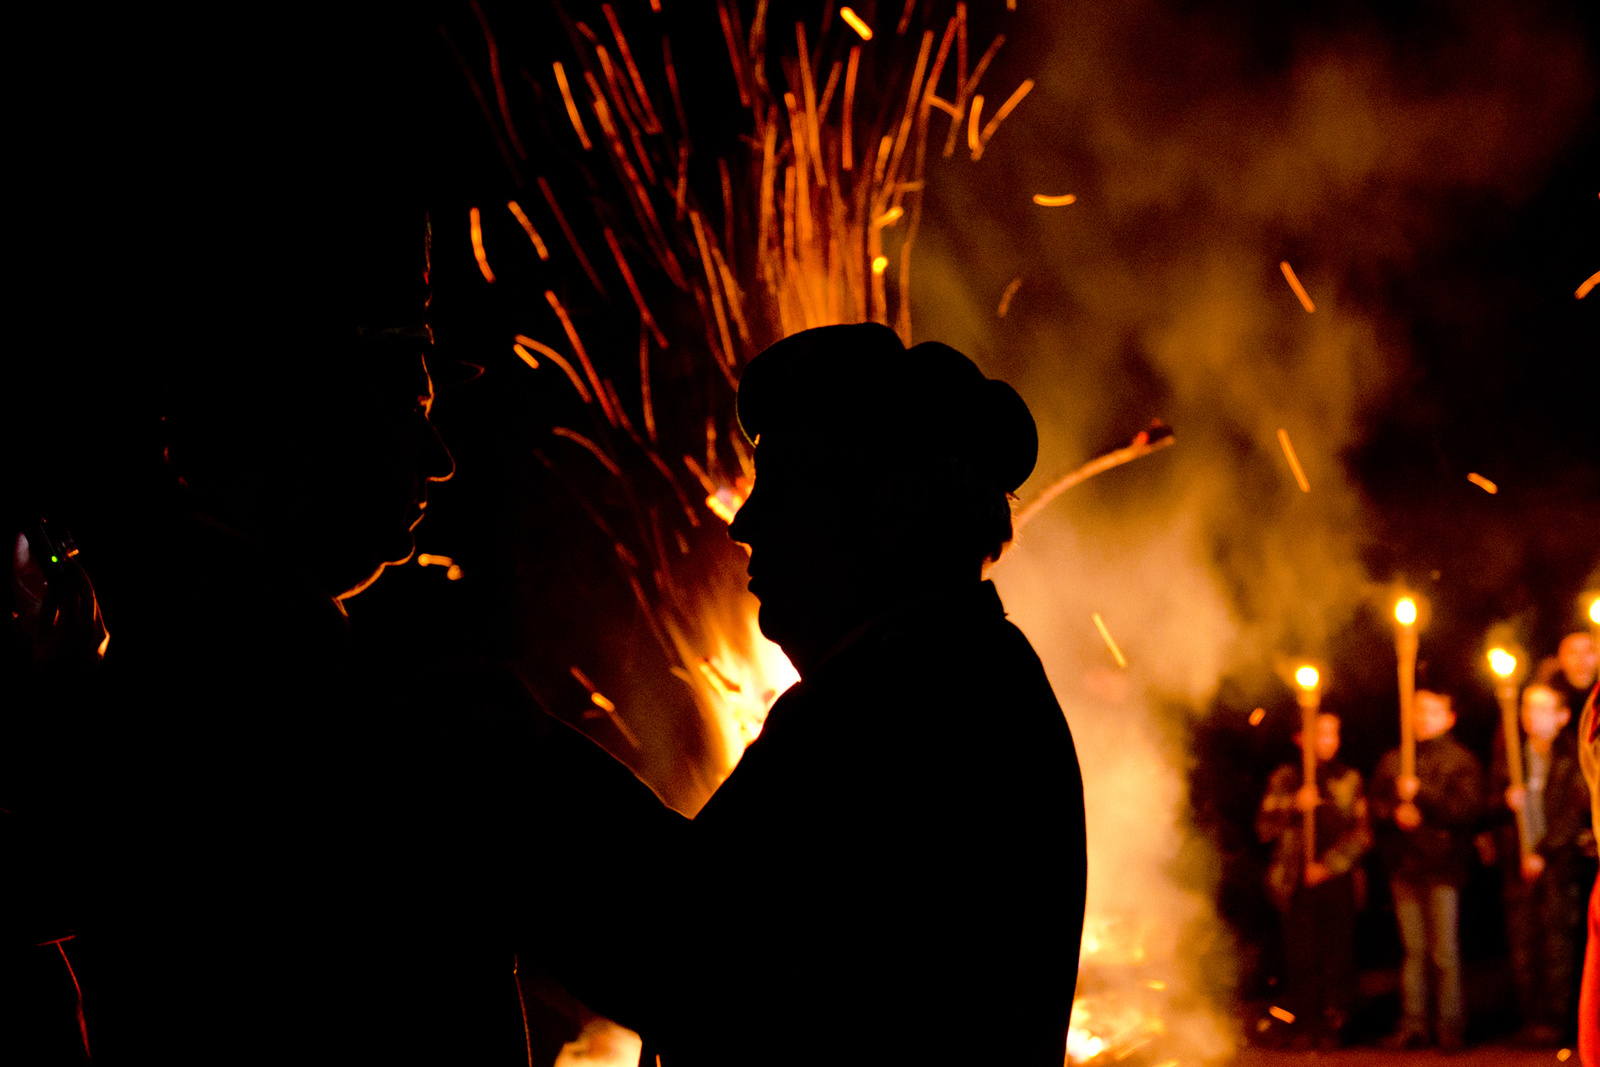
(1589, 999)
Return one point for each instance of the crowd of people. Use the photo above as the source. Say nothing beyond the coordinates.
(1535, 818)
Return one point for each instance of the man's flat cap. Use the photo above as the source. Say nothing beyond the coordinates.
(859, 386)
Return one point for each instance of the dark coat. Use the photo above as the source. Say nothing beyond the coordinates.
(1450, 798)
(895, 870)
(1566, 812)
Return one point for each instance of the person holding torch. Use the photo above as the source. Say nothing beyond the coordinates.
(1316, 813)
(1424, 816)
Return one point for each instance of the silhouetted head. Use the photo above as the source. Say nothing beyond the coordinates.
(1578, 659)
(1435, 714)
(882, 474)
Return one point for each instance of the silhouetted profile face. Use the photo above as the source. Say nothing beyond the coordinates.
(882, 476)
(812, 550)
(375, 479)
(329, 475)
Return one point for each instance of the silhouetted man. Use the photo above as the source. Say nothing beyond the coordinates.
(896, 868)
(271, 862)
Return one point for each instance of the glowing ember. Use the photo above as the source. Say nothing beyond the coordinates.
(854, 20)
(476, 225)
(1116, 653)
(1294, 461)
(1258, 716)
(1294, 283)
(1483, 483)
(1588, 285)
(1281, 1014)
(1005, 297)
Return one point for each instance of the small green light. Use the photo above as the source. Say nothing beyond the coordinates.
(54, 560)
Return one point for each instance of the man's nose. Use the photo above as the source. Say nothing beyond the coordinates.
(742, 528)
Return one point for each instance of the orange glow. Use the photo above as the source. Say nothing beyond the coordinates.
(1054, 201)
(1307, 678)
(601, 702)
(1483, 483)
(524, 355)
(633, 289)
(1588, 285)
(1005, 297)
(431, 560)
(1294, 283)
(862, 29)
(999, 116)
(583, 356)
(527, 227)
(454, 572)
(1116, 653)
(1281, 1014)
(1294, 461)
(566, 231)
(845, 160)
(880, 264)
(1258, 716)
(477, 246)
(572, 107)
(559, 360)
(1405, 612)
(594, 449)
(652, 124)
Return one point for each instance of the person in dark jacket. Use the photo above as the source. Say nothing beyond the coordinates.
(904, 844)
(1318, 899)
(1424, 828)
(1541, 883)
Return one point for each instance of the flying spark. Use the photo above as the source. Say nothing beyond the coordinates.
(1294, 461)
(1258, 716)
(477, 245)
(1588, 285)
(862, 29)
(1005, 297)
(1294, 283)
(1483, 483)
(1116, 653)
(1054, 201)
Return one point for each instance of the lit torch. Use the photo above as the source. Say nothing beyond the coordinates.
(1508, 672)
(1307, 680)
(1405, 647)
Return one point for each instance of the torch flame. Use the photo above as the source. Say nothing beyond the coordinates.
(1594, 611)
(1502, 662)
(1406, 611)
(1307, 677)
